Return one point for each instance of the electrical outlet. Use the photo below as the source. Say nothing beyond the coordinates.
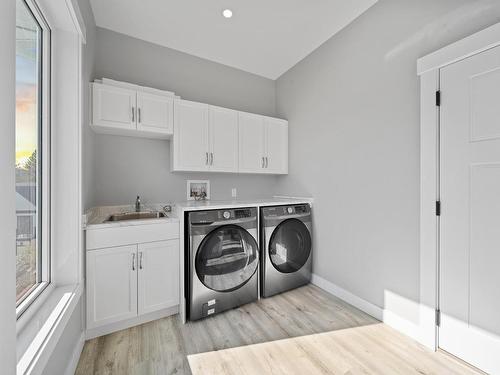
(233, 192)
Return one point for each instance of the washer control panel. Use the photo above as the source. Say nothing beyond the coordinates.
(214, 216)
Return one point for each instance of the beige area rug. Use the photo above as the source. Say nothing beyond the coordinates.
(373, 349)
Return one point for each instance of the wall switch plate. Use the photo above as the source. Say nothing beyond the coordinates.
(233, 192)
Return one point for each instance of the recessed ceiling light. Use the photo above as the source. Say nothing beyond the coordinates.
(228, 13)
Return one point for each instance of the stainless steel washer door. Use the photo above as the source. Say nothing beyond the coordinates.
(290, 246)
(227, 258)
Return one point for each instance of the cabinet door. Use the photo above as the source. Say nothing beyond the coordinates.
(191, 149)
(113, 106)
(223, 139)
(251, 143)
(111, 285)
(155, 113)
(158, 275)
(276, 146)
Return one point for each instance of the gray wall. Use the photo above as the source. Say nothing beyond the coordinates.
(133, 166)
(124, 167)
(7, 189)
(353, 108)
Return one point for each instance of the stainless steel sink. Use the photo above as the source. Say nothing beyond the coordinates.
(137, 216)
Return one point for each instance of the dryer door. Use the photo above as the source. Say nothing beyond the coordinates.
(290, 246)
(227, 258)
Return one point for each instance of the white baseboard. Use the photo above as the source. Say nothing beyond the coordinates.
(350, 298)
(124, 324)
(388, 317)
(75, 357)
(401, 324)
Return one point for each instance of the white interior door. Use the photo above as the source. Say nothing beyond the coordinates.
(251, 143)
(113, 106)
(155, 113)
(158, 275)
(223, 139)
(276, 146)
(191, 148)
(111, 285)
(470, 219)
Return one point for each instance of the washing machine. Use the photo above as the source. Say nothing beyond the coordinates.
(286, 248)
(223, 258)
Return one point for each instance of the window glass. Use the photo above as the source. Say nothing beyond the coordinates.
(28, 140)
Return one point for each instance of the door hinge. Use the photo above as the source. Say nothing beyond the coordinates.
(438, 208)
(438, 98)
(438, 317)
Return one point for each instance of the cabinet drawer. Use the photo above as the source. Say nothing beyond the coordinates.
(133, 234)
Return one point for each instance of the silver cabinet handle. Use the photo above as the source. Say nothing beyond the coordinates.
(267, 162)
(133, 114)
(139, 114)
(206, 158)
(211, 158)
(140, 260)
(263, 162)
(133, 261)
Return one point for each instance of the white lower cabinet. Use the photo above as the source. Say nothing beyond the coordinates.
(125, 282)
(111, 285)
(158, 286)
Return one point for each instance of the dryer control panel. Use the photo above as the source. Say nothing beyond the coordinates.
(278, 211)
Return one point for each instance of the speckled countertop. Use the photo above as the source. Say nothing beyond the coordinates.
(97, 216)
(214, 204)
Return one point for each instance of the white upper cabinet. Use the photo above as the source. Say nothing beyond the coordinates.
(223, 133)
(113, 107)
(205, 138)
(263, 144)
(251, 143)
(191, 144)
(158, 265)
(155, 113)
(276, 161)
(214, 139)
(123, 110)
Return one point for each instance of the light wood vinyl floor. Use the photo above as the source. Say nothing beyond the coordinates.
(317, 333)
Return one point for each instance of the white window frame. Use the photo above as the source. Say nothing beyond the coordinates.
(42, 325)
(44, 141)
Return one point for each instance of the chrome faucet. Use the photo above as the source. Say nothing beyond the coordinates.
(138, 204)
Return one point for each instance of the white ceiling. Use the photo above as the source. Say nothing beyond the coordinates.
(265, 37)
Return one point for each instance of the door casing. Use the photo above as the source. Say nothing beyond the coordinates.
(428, 69)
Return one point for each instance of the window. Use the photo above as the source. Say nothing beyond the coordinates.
(32, 153)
